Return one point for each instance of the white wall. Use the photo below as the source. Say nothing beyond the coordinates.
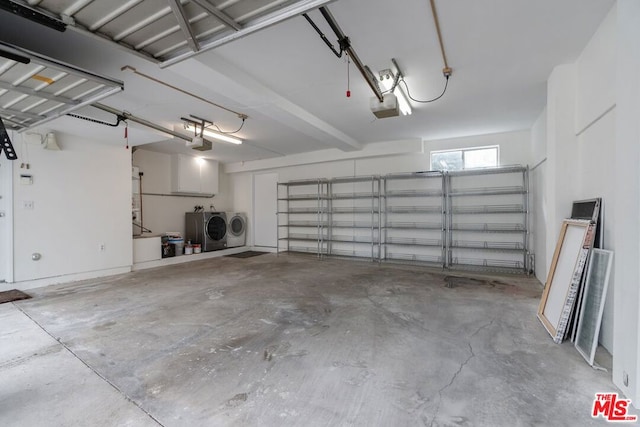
(598, 97)
(579, 148)
(514, 149)
(626, 343)
(6, 219)
(166, 213)
(561, 173)
(596, 168)
(538, 197)
(81, 199)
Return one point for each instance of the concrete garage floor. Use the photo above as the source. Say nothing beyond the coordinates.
(289, 341)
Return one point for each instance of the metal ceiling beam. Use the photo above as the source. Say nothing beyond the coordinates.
(223, 17)
(37, 93)
(183, 22)
(22, 114)
(251, 27)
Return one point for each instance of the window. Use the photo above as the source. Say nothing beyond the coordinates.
(467, 158)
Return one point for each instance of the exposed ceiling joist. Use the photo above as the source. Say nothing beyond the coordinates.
(20, 114)
(114, 14)
(185, 26)
(140, 26)
(223, 17)
(38, 93)
(251, 27)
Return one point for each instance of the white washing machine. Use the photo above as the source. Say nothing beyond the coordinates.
(236, 229)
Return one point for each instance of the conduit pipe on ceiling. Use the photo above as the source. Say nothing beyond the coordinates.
(143, 122)
(186, 92)
(346, 46)
(446, 70)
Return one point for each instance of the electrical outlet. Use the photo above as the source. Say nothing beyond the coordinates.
(103, 247)
(27, 204)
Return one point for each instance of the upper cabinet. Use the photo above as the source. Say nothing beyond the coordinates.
(193, 175)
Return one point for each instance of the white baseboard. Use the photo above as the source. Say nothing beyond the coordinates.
(187, 258)
(65, 278)
(264, 249)
(38, 283)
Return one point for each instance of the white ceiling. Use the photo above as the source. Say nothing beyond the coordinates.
(293, 87)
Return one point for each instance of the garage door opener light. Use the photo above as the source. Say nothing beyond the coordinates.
(199, 127)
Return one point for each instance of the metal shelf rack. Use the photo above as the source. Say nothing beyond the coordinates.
(355, 217)
(414, 218)
(473, 219)
(488, 217)
(302, 216)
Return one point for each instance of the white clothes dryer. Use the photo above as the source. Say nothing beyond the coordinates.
(236, 229)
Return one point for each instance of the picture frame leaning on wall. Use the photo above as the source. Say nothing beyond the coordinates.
(563, 281)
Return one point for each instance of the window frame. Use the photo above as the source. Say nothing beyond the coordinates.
(463, 151)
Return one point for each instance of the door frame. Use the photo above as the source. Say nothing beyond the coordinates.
(253, 208)
(6, 223)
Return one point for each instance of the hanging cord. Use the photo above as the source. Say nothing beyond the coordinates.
(126, 134)
(348, 80)
(226, 133)
(446, 71)
(428, 100)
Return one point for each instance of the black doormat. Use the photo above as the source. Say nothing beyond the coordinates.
(12, 295)
(247, 254)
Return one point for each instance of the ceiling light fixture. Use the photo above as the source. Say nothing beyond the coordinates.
(387, 80)
(215, 135)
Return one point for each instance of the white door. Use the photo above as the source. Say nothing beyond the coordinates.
(265, 206)
(6, 226)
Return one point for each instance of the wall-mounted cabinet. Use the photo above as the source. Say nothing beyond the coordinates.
(193, 175)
